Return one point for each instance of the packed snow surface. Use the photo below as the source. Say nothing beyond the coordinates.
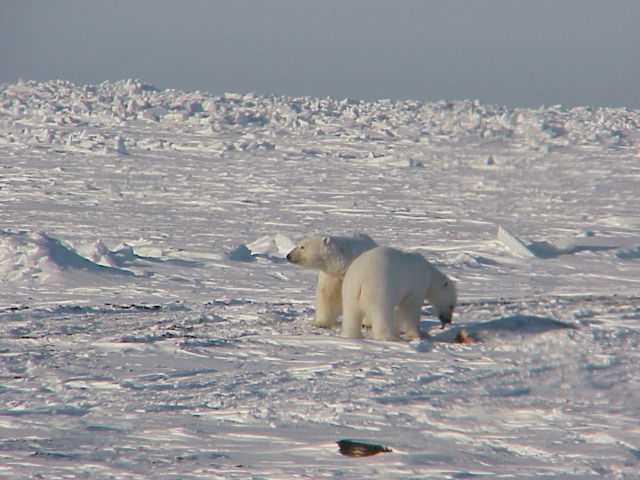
(150, 325)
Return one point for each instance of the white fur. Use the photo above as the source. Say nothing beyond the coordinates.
(331, 256)
(387, 287)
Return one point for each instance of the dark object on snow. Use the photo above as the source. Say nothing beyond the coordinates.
(357, 448)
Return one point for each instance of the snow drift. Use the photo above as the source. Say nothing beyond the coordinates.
(39, 257)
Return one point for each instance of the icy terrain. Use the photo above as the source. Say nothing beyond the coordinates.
(151, 327)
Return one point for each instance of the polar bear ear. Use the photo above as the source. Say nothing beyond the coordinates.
(332, 245)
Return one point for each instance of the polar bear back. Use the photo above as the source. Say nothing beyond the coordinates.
(349, 248)
(390, 273)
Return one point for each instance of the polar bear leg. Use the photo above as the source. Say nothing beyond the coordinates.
(328, 300)
(408, 317)
(383, 324)
(352, 316)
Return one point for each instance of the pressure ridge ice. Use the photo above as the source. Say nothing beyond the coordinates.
(64, 111)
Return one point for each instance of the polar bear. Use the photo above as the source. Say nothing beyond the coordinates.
(332, 256)
(387, 287)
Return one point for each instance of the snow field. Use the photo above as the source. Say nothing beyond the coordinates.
(150, 326)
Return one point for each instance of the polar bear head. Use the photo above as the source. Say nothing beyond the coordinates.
(318, 253)
(443, 296)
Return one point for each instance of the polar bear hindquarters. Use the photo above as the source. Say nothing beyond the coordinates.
(366, 303)
(371, 290)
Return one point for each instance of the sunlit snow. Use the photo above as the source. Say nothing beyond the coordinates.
(150, 325)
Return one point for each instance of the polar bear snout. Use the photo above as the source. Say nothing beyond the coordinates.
(293, 256)
(297, 256)
(446, 317)
(445, 320)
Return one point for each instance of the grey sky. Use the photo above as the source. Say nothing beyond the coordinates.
(512, 52)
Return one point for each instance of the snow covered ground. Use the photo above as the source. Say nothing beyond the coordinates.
(150, 326)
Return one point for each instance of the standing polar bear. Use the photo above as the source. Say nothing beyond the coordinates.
(331, 256)
(387, 287)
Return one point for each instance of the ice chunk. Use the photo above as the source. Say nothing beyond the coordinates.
(513, 243)
(272, 246)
